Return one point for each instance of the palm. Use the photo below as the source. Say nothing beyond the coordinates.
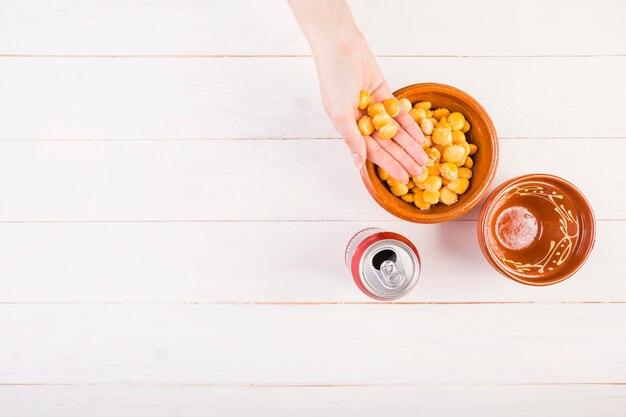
(343, 75)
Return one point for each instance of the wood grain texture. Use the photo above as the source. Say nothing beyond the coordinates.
(329, 344)
(248, 180)
(279, 97)
(442, 401)
(174, 205)
(285, 262)
(250, 28)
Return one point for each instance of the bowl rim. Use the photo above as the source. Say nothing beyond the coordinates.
(456, 210)
(494, 197)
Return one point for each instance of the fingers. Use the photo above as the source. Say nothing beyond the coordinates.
(413, 148)
(410, 126)
(392, 148)
(365, 147)
(380, 157)
(409, 136)
(401, 157)
(347, 128)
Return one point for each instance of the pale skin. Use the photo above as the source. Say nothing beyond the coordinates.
(345, 66)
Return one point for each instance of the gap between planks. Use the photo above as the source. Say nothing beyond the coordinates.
(296, 56)
(305, 303)
(237, 221)
(275, 139)
(314, 385)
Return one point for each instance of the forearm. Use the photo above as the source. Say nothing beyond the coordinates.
(325, 23)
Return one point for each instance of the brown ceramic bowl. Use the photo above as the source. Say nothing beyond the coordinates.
(482, 133)
(536, 229)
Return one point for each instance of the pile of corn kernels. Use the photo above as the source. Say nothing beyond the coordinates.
(450, 165)
(379, 115)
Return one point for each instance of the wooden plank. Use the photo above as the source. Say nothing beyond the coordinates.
(279, 98)
(198, 27)
(327, 344)
(285, 262)
(249, 180)
(190, 401)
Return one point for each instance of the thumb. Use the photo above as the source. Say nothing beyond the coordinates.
(354, 139)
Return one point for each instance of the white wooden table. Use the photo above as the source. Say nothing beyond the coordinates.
(174, 207)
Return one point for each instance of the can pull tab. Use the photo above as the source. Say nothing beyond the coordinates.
(392, 276)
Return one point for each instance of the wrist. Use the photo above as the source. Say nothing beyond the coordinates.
(343, 40)
(327, 24)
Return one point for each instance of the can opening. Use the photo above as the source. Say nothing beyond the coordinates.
(388, 271)
(382, 256)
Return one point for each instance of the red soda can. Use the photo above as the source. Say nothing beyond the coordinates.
(384, 265)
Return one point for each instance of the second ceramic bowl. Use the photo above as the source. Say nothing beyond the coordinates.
(536, 229)
(482, 133)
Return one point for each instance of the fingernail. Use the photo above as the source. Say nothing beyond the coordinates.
(358, 161)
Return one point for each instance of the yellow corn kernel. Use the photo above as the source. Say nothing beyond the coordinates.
(459, 185)
(364, 100)
(420, 203)
(431, 197)
(423, 105)
(440, 148)
(442, 122)
(473, 149)
(466, 148)
(405, 103)
(417, 114)
(465, 173)
(387, 131)
(407, 197)
(439, 113)
(380, 120)
(410, 184)
(444, 181)
(448, 170)
(392, 107)
(461, 162)
(466, 127)
(433, 169)
(418, 186)
(422, 177)
(432, 184)
(392, 182)
(442, 136)
(458, 137)
(453, 153)
(456, 120)
(428, 142)
(427, 126)
(469, 162)
(382, 174)
(365, 125)
(398, 190)
(447, 196)
(433, 155)
(432, 119)
(375, 108)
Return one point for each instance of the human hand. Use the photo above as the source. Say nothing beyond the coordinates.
(346, 69)
(345, 66)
